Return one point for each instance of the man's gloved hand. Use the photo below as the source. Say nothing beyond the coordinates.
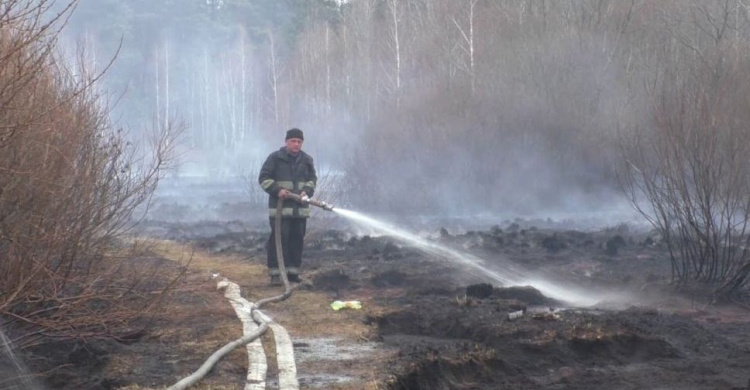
(283, 193)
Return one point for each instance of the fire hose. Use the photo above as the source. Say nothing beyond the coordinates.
(258, 317)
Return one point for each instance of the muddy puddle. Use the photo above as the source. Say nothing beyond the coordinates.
(314, 355)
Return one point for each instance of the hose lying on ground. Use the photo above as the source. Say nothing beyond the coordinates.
(263, 321)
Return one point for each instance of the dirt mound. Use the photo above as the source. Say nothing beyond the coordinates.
(621, 347)
(455, 366)
(479, 290)
(333, 280)
(551, 348)
(389, 278)
(528, 295)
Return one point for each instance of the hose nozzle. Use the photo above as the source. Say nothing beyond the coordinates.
(308, 200)
(323, 205)
(318, 203)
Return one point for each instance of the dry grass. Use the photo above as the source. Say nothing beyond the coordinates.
(305, 311)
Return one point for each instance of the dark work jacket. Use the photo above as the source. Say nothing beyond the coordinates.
(295, 173)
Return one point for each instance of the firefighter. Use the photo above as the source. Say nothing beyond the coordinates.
(288, 170)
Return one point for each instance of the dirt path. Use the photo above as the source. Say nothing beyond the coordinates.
(331, 348)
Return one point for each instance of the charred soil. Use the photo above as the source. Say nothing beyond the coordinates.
(426, 324)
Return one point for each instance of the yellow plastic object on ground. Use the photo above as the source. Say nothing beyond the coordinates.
(338, 305)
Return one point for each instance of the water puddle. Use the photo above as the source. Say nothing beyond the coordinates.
(327, 358)
(331, 349)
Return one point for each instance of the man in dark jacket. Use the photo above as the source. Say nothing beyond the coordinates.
(286, 170)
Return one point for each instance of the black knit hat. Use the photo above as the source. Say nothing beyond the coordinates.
(295, 133)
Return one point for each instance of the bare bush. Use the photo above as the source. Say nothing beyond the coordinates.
(689, 173)
(69, 185)
(248, 176)
(328, 189)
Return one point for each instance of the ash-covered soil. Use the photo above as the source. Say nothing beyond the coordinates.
(455, 329)
(453, 332)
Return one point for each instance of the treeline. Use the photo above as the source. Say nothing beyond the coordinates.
(434, 106)
(210, 62)
(519, 102)
(524, 105)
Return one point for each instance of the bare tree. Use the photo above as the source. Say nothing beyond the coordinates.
(274, 74)
(468, 45)
(395, 41)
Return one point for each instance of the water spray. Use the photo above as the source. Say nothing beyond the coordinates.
(506, 274)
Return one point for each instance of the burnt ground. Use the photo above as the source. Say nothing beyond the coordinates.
(427, 324)
(454, 335)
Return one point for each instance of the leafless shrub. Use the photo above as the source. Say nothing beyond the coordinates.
(689, 173)
(330, 190)
(248, 176)
(69, 185)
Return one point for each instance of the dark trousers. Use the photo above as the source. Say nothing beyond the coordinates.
(292, 242)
